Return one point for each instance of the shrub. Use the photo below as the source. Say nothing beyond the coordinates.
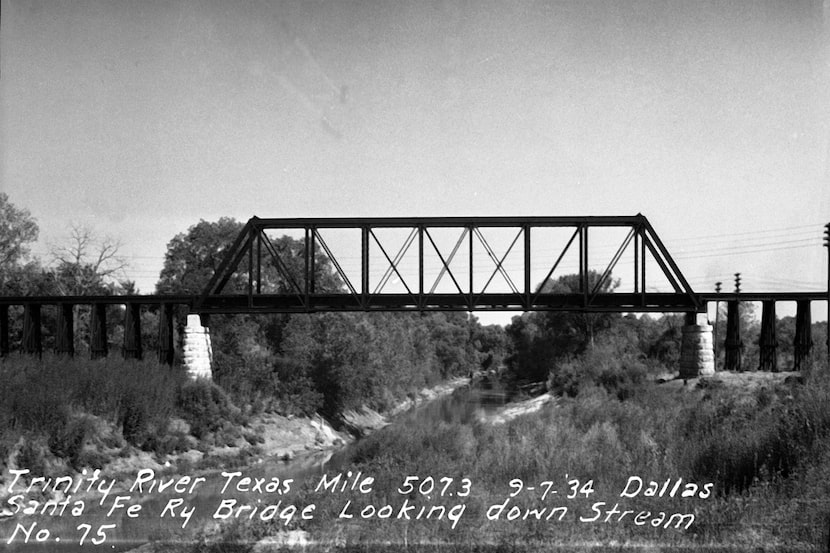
(32, 454)
(619, 373)
(68, 441)
(736, 443)
(205, 406)
(298, 394)
(46, 397)
(253, 380)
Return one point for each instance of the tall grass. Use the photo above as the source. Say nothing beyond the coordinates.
(58, 405)
(767, 455)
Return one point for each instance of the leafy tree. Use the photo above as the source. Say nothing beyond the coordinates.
(19, 275)
(245, 346)
(369, 358)
(540, 338)
(193, 257)
(17, 230)
(664, 342)
(579, 329)
(492, 344)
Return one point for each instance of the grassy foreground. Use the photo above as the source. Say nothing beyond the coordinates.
(766, 454)
(59, 414)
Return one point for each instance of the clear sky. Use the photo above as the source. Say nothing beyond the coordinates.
(712, 118)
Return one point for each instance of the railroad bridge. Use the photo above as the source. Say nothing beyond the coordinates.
(429, 264)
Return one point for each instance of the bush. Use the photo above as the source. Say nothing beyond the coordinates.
(68, 441)
(251, 381)
(736, 443)
(298, 394)
(618, 373)
(47, 397)
(205, 406)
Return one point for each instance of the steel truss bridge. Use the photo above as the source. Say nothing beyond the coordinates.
(436, 264)
(420, 265)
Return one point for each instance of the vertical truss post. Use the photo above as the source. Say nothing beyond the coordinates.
(4, 330)
(642, 266)
(636, 261)
(583, 263)
(803, 335)
(470, 267)
(132, 331)
(166, 344)
(420, 266)
(734, 345)
(364, 265)
(527, 267)
(98, 346)
(252, 231)
(307, 266)
(259, 261)
(65, 344)
(768, 342)
(32, 344)
(312, 261)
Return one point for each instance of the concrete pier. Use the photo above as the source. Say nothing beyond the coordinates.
(198, 354)
(697, 352)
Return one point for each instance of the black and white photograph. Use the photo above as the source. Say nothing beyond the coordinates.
(414, 275)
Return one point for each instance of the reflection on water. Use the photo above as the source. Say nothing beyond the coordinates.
(64, 533)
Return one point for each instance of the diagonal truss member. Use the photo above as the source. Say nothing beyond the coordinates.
(269, 278)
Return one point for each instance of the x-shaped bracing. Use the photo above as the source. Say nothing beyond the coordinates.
(390, 264)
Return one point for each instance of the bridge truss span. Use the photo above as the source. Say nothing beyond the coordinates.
(588, 264)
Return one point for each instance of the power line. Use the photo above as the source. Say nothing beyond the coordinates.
(806, 241)
(686, 257)
(747, 233)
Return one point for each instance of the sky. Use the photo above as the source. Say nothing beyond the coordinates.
(711, 118)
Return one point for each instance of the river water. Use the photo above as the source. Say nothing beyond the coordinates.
(159, 519)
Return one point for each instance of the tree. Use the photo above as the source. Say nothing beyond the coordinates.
(541, 338)
(579, 329)
(242, 344)
(87, 265)
(194, 256)
(17, 230)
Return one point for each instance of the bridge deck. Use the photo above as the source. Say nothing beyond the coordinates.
(234, 303)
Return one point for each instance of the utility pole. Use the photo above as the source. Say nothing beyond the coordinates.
(827, 243)
(734, 345)
(717, 317)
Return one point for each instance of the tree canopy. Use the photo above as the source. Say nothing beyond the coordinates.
(194, 256)
(17, 231)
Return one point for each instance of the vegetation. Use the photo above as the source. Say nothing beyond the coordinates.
(766, 455)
